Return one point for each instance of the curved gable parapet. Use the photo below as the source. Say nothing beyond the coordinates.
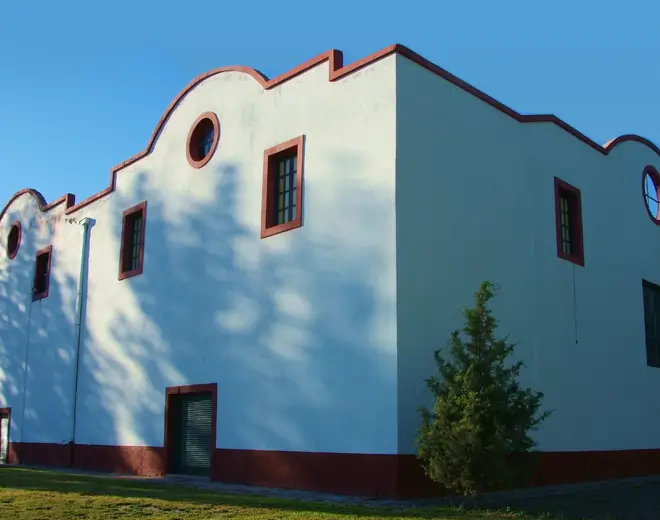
(337, 71)
(68, 200)
(333, 57)
(612, 143)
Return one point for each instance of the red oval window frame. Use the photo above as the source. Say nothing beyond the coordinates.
(655, 178)
(196, 133)
(15, 226)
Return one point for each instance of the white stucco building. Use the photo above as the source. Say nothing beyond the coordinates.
(258, 294)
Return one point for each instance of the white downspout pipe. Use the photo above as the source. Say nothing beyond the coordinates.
(82, 279)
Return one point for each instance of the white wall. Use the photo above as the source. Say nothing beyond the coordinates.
(475, 201)
(298, 330)
(45, 328)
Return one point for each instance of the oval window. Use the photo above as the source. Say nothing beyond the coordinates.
(651, 187)
(203, 139)
(13, 240)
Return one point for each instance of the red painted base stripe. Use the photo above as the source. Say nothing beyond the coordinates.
(353, 474)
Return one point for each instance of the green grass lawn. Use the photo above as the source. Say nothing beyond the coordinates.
(45, 495)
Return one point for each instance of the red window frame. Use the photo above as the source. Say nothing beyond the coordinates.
(568, 206)
(39, 276)
(127, 245)
(272, 157)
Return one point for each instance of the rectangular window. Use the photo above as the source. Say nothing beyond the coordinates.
(41, 281)
(652, 323)
(132, 241)
(282, 188)
(285, 189)
(568, 214)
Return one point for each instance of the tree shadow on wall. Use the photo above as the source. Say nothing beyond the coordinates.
(15, 302)
(39, 333)
(284, 326)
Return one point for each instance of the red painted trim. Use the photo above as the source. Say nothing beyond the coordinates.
(293, 146)
(11, 254)
(40, 296)
(576, 199)
(337, 72)
(192, 138)
(347, 473)
(368, 475)
(44, 207)
(144, 461)
(211, 388)
(142, 207)
(655, 177)
(609, 145)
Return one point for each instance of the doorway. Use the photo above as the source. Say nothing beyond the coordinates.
(190, 429)
(5, 414)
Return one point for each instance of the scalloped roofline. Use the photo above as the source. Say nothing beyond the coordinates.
(337, 71)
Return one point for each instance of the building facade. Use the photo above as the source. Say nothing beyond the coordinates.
(257, 295)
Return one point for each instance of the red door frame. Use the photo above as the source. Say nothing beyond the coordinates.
(6, 412)
(171, 391)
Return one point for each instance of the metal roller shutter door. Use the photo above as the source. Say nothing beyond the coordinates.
(194, 436)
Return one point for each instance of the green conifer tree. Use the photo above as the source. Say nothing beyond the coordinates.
(476, 437)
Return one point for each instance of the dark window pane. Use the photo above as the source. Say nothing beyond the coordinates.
(206, 142)
(651, 195)
(132, 241)
(652, 325)
(285, 189)
(41, 273)
(567, 223)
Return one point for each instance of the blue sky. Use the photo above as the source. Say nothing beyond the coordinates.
(83, 85)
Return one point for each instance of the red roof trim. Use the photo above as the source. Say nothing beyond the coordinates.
(337, 71)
